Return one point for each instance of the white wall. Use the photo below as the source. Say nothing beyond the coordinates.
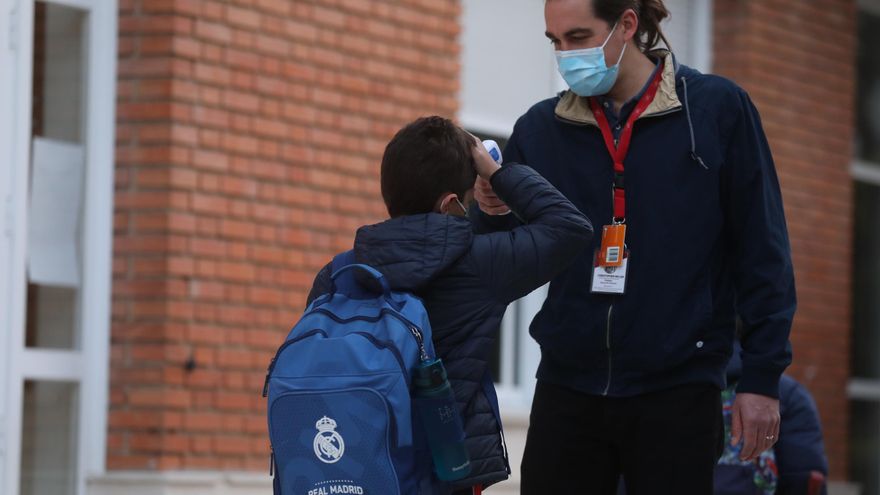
(507, 63)
(689, 31)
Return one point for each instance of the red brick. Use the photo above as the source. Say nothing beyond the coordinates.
(278, 7)
(242, 59)
(210, 160)
(243, 17)
(272, 45)
(812, 157)
(245, 157)
(213, 31)
(234, 401)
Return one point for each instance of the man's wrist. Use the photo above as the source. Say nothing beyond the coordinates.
(759, 381)
(488, 171)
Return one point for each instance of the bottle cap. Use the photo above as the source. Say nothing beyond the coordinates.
(429, 374)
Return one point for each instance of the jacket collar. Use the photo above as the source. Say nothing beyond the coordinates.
(576, 109)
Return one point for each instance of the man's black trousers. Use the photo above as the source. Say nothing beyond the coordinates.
(664, 442)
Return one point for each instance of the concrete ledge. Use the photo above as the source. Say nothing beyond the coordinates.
(843, 488)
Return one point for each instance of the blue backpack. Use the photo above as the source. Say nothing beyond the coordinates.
(340, 413)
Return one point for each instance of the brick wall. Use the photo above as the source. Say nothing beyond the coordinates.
(797, 60)
(249, 135)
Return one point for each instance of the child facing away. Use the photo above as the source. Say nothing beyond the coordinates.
(466, 281)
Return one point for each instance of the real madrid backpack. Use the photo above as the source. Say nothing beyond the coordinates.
(339, 406)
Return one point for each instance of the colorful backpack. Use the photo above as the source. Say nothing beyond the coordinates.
(734, 476)
(340, 413)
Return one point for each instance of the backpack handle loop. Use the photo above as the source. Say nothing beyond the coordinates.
(376, 274)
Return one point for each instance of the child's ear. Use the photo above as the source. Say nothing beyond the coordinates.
(447, 204)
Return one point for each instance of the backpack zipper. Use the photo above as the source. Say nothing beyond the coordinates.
(271, 461)
(413, 329)
(384, 344)
(284, 346)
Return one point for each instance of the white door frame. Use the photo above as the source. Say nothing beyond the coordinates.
(88, 366)
(7, 100)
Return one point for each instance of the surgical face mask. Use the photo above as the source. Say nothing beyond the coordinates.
(463, 208)
(585, 70)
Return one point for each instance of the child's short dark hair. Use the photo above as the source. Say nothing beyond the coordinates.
(428, 157)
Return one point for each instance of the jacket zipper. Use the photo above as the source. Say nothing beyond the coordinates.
(661, 114)
(608, 348)
(611, 307)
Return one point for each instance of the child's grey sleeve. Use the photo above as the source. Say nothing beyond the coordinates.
(554, 233)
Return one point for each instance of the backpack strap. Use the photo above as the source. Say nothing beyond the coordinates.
(342, 259)
(345, 281)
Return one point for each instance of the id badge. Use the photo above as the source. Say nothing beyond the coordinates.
(613, 245)
(609, 279)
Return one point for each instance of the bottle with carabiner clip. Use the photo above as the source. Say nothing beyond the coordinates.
(442, 422)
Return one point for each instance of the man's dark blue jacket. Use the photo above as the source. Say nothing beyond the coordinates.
(706, 231)
(466, 281)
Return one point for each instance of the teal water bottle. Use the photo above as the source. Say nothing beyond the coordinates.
(436, 405)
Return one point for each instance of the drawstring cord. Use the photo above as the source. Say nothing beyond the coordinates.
(687, 110)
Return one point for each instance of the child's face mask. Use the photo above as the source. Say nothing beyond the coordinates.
(461, 205)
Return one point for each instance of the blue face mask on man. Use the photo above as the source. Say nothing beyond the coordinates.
(585, 70)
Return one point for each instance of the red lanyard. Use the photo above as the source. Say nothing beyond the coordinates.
(618, 152)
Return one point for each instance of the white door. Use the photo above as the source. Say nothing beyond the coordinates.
(56, 144)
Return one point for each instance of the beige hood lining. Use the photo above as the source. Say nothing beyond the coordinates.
(577, 109)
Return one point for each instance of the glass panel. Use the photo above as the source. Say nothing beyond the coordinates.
(866, 282)
(49, 438)
(865, 446)
(59, 65)
(868, 123)
(52, 313)
(57, 173)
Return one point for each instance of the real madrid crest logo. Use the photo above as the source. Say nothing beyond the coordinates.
(329, 445)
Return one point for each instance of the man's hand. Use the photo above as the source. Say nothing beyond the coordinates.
(487, 199)
(755, 422)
